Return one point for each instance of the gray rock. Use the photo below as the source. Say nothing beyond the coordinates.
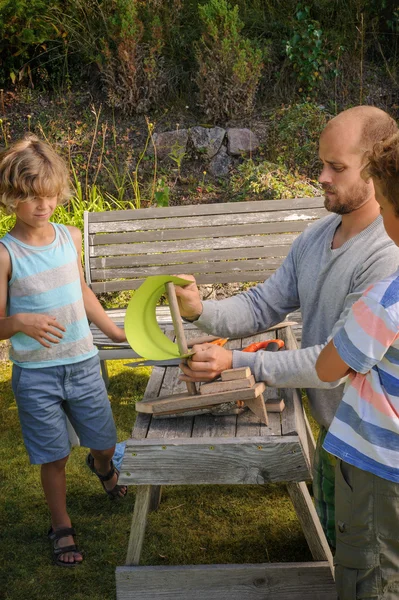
(170, 142)
(220, 164)
(241, 141)
(207, 141)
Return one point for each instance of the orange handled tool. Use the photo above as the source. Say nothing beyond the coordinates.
(219, 342)
(268, 345)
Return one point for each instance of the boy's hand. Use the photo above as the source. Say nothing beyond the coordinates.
(118, 335)
(43, 328)
(188, 298)
(207, 363)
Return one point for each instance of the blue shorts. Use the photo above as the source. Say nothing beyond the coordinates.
(45, 396)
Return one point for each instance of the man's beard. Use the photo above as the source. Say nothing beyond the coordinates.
(343, 204)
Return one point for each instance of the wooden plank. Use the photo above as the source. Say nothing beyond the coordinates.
(276, 405)
(226, 386)
(133, 284)
(210, 209)
(281, 581)
(189, 232)
(204, 267)
(233, 374)
(205, 220)
(138, 260)
(309, 520)
(136, 538)
(179, 401)
(257, 406)
(282, 239)
(254, 460)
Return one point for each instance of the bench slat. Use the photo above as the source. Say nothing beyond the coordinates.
(208, 209)
(189, 233)
(191, 245)
(206, 220)
(215, 267)
(188, 258)
(133, 284)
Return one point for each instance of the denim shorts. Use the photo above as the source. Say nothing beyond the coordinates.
(45, 396)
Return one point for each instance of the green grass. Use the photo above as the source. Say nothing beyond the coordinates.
(194, 524)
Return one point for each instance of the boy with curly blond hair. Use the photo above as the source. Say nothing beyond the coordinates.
(45, 305)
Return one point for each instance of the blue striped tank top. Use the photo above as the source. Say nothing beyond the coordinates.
(45, 279)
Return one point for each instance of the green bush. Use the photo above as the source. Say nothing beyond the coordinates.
(229, 64)
(306, 51)
(27, 39)
(124, 38)
(294, 137)
(272, 181)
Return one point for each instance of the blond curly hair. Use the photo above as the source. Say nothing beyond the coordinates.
(29, 169)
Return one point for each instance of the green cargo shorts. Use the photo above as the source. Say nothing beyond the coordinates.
(324, 487)
(367, 535)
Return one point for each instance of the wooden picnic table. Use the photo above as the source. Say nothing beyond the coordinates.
(230, 449)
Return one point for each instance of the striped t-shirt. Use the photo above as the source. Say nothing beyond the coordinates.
(365, 429)
(46, 280)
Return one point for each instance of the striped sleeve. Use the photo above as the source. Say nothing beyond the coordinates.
(366, 335)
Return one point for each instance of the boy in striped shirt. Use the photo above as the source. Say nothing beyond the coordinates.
(364, 434)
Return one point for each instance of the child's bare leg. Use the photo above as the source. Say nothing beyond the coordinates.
(102, 463)
(54, 486)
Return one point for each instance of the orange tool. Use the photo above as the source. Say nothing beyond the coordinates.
(219, 342)
(268, 345)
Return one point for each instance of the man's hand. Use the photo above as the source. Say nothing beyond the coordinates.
(188, 298)
(207, 362)
(43, 328)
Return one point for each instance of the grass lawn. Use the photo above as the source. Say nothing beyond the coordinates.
(195, 524)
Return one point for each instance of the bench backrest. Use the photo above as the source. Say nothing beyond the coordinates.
(218, 243)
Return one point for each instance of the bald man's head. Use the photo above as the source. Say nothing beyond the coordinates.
(367, 125)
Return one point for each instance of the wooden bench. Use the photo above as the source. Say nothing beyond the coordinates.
(234, 242)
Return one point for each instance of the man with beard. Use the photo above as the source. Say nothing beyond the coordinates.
(328, 267)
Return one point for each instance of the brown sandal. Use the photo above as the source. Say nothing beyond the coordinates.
(114, 493)
(54, 537)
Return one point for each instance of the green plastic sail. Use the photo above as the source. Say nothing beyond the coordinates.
(142, 330)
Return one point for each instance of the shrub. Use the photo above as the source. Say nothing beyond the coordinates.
(26, 36)
(125, 39)
(306, 51)
(229, 65)
(272, 181)
(294, 137)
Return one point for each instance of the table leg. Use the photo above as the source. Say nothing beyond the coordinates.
(139, 522)
(155, 500)
(310, 522)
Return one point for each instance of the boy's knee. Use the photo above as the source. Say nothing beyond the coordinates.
(57, 464)
(103, 454)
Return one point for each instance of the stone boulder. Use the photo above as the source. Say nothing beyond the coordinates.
(207, 141)
(170, 143)
(241, 141)
(220, 163)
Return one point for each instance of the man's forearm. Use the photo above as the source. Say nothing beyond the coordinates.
(291, 368)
